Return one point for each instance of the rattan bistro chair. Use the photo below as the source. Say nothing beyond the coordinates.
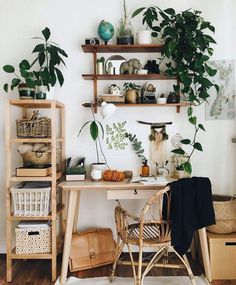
(151, 230)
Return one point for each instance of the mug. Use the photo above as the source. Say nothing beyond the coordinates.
(96, 174)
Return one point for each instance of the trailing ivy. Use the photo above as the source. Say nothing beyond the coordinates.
(136, 145)
(187, 42)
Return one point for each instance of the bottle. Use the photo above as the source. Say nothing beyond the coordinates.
(145, 169)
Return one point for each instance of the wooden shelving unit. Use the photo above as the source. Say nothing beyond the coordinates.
(56, 209)
(153, 48)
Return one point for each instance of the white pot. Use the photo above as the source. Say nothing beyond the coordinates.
(97, 171)
(161, 100)
(144, 37)
(100, 68)
(50, 94)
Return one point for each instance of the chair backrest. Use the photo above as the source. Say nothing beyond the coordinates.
(154, 219)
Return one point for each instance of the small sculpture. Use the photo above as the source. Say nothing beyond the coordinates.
(130, 67)
(114, 90)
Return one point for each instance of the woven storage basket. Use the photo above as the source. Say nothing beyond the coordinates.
(40, 128)
(30, 201)
(33, 240)
(225, 213)
(36, 157)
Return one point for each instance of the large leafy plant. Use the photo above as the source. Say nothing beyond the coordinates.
(49, 58)
(188, 43)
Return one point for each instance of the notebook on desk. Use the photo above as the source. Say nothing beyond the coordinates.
(150, 180)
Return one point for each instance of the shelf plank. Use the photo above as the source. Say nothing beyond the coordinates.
(182, 104)
(46, 104)
(35, 140)
(128, 77)
(27, 178)
(122, 48)
(30, 256)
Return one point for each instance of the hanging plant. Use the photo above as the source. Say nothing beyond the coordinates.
(188, 44)
(137, 146)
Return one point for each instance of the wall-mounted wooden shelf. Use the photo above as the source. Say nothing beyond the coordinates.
(122, 48)
(128, 77)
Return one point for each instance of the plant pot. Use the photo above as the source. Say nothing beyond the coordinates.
(131, 96)
(126, 40)
(40, 96)
(144, 37)
(26, 93)
(97, 171)
(44, 89)
(161, 100)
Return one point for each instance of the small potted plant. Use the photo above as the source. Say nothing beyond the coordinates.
(24, 80)
(125, 30)
(49, 59)
(161, 99)
(149, 16)
(131, 92)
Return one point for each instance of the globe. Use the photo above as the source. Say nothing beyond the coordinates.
(105, 31)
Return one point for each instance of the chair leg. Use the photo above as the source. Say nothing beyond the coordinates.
(187, 266)
(119, 249)
(140, 265)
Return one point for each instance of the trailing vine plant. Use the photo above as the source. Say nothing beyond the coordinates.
(187, 42)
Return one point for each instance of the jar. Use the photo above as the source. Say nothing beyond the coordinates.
(131, 96)
(145, 169)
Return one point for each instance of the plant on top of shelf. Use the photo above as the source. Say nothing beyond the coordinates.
(125, 31)
(96, 131)
(187, 42)
(24, 80)
(49, 59)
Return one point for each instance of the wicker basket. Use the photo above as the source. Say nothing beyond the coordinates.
(36, 158)
(40, 128)
(225, 213)
(30, 201)
(33, 240)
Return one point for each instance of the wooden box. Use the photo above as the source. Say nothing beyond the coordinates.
(222, 249)
(33, 172)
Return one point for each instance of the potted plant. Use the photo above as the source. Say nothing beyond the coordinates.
(95, 128)
(149, 16)
(161, 99)
(24, 80)
(131, 92)
(125, 30)
(190, 49)
(49, 59)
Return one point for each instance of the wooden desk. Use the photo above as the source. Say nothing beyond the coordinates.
(118, 190)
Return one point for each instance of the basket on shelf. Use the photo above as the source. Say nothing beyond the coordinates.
(31, 199)
(225, 214)
(36, 158)
(39, 128)
(33, 240)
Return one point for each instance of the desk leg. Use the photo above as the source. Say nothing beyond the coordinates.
(205, 253)
(76, 213)
(68, 235)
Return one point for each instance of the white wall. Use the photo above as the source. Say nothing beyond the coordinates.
(72, 21)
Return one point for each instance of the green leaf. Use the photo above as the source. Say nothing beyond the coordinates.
(9, 68)
(15, 82)
(136, 12)
(189, 111)
(38, 48)
(204, 95)
(59, 76)
(185, 141)
(217, 88)
(170, 11)
(201, 127)
(187, 167)
(24, 64)
(209, 39)
(178, 151)
(5, 87)
(102, 129)
(198, 146)
(154, 34)
(24, 73)
(94, 130)
(41, 58)
(193, 120)
(83, 127)
(61, 51)
(46, 33)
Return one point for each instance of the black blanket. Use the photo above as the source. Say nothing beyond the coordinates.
(191, 209)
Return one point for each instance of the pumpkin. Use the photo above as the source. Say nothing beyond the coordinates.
(107, 175)
(118, 176)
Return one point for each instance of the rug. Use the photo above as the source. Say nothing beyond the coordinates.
(162, 280)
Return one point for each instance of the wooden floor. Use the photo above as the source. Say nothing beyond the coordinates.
(36, 272)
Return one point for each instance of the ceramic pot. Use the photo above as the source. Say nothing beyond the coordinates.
(144, 37)
(40, 96)
(131, 96)
(100, 67)
(26, 93)
(161, 100)
(97, 171)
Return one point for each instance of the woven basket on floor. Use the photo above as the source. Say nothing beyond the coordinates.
(225, 213)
